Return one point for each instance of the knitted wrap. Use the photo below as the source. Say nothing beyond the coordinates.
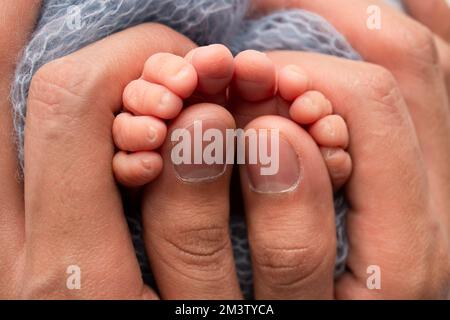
(65, 26)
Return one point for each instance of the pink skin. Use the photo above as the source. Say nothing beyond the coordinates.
(166, 80)
(68, 155)
(254, 71)
(204, 76)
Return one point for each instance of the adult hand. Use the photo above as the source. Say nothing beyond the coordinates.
(393, 222)
(70, 213)
(89, 230)
(398, 42)
(408, 50)
(412, 73)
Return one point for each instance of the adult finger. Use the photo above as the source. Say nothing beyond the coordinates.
(11, 189)
(391, 222)
(435, 14)
(407, 49)
(289, 213)
(185, 211)
(79, 220)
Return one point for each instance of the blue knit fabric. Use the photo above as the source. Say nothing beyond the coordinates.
(65, 26)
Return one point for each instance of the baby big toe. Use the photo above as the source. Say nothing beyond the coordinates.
(292, 82)
(141, 97)
(214, 65)
(172, 72)
(254, 76)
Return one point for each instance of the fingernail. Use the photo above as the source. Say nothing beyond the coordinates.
(286, 178)
(196, 156)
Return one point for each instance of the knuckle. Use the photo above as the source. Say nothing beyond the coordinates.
(203, 247)
(156, 63)
(383, 89)
(59, 88)
(421, 45)
(382, 82)
(290, 266)
(168, 34)
(47, 284)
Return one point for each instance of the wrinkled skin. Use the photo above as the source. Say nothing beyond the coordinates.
(69, 210)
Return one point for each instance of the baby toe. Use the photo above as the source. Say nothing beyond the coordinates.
(330, 131)
(173, 72)
(136, 169)
(138, 133)
(310, 107)
(141, 97)
(254, 76)
(215, 67)
(292, 82)
(339, 164)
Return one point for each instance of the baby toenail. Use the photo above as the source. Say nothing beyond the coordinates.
(329, 153)
(329, 129)
(132, 97)
(287, 176)
(167, 100)
(306, 102)
(196, 154)
(152, 135)
(183, 73)
(147, 164)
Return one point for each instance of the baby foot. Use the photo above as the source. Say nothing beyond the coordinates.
(257, 90)
(166, 83)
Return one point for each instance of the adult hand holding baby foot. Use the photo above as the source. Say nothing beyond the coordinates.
(186, 209)
(70, 213)
(293, 264)
(292, 233)
(409, 87)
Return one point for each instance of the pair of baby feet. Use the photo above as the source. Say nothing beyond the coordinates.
(249, 86)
